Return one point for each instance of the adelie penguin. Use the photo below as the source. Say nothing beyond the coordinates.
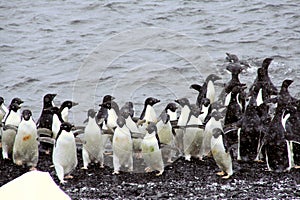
(207, 90)
(45, 120)
(64, 155)
(113, 112)
(93, 148)
(193, 135)
(25, 149)
(12, 121)
(102, 114)
(182, 122)
(151, 150)
(221, 153)
(122, 147)
(165, 132)
(64, 109)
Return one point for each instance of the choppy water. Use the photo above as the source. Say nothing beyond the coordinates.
(140, 48)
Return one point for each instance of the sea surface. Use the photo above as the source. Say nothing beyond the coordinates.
(83, 50)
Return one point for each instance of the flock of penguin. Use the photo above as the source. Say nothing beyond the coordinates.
(261, 124)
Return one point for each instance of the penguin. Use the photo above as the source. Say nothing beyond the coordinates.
(151, 150)
(92, 149)
(207, 90)
(165, 132)
(182, 122)
(215, 121)
(128, 113)
(122, 147)
(112, 114)
(45, 120)
(193, 136)
(102, 114)
(234, 110)
(16, 101)
(25, 149)
(64, 155)
(12, 121)
(232, 58)
(64, 109)
(148, 114)
(221, 153)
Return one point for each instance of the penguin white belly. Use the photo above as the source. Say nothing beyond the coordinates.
(65, 154)
(152, 154)
(204, 114)
(173, 115)
(55, 126)
(111, 119)
(165, 132)
(182, 121)
(13, 118)
(210, 91)
(65, 114)
(132, 125)
(150, 114)
(93, 148)
(183, 118)
(122, 149)
(25, 149)
(192, 139)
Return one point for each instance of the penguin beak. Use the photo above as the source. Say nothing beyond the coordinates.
(74, 104)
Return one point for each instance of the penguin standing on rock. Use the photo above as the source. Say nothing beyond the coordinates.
(12, 121)
(165, 133)
(93, 148)
(221, 153)
(151, 150)
(193, 135)
(64, 155)
(25, 149)
(122, 147)
(182, 122)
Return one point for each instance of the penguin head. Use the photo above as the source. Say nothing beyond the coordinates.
(26, 114)
(286, 83)
(1, 100)
(121, 121)
(171, 106)
(49, 98)
(266, 63)
(234, 68)
(68, 104)
(182, 102)
(16, 100)
(205, 102)
(14, 107)
(151, 101)
(217, 115)
(196, 87)
(91, 113)
(107, 98)
(127, 110)
(232, 58)
(151, 128)
(213, 78)
(66, 126)
(195, 110)
(216, 132)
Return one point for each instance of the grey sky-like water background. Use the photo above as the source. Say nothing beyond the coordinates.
(82, 50)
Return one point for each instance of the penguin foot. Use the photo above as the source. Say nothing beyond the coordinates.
(51, 166)
(226, 177)
(68, 177)
(47, 152)
(63, 182)
(85, 168)
(160, 173)
(297, 167)
(188, 157)
(139, 155)
(116, 172)
(148, 169)
(170, 160)
(19, 162)
(101, 165)
(32, 169)
(222, 173)
(259, 161)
